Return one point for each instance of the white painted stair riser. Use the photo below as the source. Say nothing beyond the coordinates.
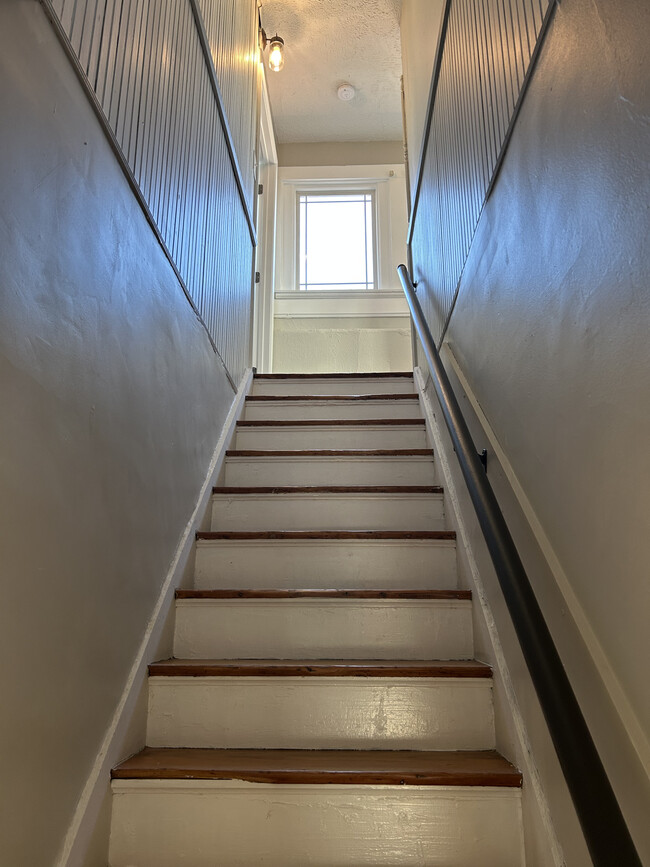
(276, 471)
(279, 410)
(321, 713)
(336, 564)
(323, 629)
(163, 823)
(327, 511)
(334, 436)
(333, 385)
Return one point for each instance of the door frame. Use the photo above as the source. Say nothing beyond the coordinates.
(266, 215)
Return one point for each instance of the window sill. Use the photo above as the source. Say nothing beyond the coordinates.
(300, 295)
(344, 304)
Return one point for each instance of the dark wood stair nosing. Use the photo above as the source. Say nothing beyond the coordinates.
(480, 768)
(333, 422)
(367, 396)
(327, 453)
(309, 376)
(315, 668)
(328, 489)
(298, 593)
(341, 535)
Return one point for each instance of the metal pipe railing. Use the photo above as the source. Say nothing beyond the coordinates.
(606, 834)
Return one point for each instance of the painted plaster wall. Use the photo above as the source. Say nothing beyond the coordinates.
(325, 345)
(340, 153)
(112, 402)
(550, 335)
(419, 26)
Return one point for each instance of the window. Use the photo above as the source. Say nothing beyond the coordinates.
(336, 241)
(376, 195)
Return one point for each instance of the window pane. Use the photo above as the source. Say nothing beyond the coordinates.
(335, 247)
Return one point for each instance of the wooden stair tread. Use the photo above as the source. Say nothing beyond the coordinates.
(347, 767)
(402, 374)
(367, 668)
(307, 397)
(341, 535)
(334, 422)
(323, 594)
(325, 453)
(330, 489)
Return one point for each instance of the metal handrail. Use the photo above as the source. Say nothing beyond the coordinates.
(606, 834)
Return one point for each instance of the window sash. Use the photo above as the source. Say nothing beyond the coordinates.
(364, 197)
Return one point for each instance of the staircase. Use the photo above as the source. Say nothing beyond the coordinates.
(322, 706)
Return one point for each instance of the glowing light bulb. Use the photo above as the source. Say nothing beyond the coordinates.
(276, 53)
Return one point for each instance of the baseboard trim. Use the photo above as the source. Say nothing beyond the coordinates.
(617, 695)
(81, 827)
(525, 757)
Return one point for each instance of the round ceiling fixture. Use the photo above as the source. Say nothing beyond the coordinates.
(346, 92)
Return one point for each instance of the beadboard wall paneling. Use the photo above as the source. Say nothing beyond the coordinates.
(231, 28)
(487, 51)
(144, 63)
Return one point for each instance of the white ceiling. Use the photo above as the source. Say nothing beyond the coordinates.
(328, 43)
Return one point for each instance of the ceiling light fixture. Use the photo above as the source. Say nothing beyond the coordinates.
(346, 92)
(276, 53)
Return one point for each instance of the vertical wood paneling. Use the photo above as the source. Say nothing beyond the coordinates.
(144, 61)
(486, 55)
(231, 28)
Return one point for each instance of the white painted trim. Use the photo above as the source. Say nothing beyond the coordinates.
(332, 174)
(85, 816)
(344, 293)
(619, 699)
(324, 684)
(385, 181)
(452, 504)
(266, 229)
(456, 793)
(340, 305)
(266, 122)
(335, 316)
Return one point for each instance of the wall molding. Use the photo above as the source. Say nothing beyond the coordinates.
(263, 292)
(80, 830)
(124, 165)
(325, 315)
(223, 117)
(311, 294)
(340, 305)
(525, 757)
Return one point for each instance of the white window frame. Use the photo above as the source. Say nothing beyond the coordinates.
(287, 274)
(367, 191)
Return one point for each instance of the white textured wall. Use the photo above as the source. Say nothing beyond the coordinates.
(420, 27)
(340, 153)
(550, 332)
(112, 402)
(341, 346)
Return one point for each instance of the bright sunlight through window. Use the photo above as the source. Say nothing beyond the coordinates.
(336, 241)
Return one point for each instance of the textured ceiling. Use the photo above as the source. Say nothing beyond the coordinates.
(328, 43)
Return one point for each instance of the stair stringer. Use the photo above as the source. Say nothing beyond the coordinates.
(542, 847)
(126, 732)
